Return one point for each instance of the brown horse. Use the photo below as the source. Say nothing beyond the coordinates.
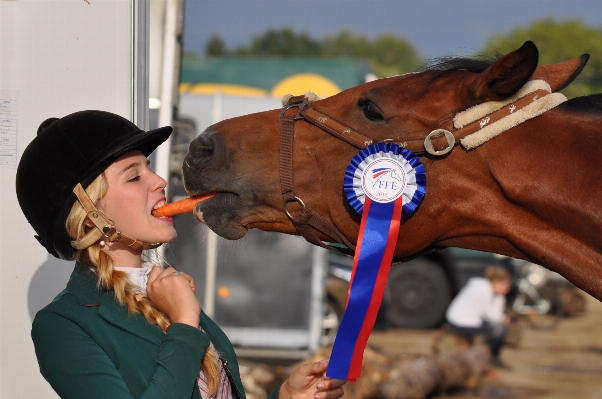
(532, 192)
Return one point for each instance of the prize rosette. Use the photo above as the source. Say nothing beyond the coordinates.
(370, 171)
(384, 183)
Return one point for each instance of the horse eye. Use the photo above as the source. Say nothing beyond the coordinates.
(370, 110)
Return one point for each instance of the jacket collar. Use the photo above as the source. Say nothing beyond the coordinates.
(83, 285)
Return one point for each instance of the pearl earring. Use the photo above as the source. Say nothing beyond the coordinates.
(102, 244)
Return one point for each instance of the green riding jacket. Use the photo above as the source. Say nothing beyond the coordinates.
(89, 346)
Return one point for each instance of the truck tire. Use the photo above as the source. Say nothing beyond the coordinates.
(419, 293)
(333, 314)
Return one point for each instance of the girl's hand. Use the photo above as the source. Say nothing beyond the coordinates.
(173, 293)
(309, 382)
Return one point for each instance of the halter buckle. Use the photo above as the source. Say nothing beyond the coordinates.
(428, 143)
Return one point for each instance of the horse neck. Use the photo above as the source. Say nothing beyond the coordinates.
(563, 128)
(469, 186)
(545, 166)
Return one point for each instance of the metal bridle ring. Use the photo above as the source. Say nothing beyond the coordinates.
(297, 199)
(428, 144)
(300, 105)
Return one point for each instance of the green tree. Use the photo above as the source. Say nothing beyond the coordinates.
(387, 54)
(189, 55)
(216, 46)
(558, 41)
(391, 56)
(283, 42)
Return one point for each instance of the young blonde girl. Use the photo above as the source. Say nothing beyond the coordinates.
(123, 328)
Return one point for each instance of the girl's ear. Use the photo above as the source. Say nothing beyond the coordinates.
(88, 222)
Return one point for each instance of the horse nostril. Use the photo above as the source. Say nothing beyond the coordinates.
(201, 147)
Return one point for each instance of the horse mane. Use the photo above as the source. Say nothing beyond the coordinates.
(591, 103)
(438, 67)
(443, 65)
(451, 64)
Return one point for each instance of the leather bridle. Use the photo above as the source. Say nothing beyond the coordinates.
(308, 221)
(437, 143)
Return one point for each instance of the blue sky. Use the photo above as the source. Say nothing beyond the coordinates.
(435, 27)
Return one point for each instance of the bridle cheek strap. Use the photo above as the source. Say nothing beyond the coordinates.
(307, 220)
(104, 227)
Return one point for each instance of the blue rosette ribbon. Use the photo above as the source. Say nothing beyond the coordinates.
(384, 183)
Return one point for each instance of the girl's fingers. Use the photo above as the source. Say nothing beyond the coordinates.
(313, 369)
(154, 273)
(329, 385)
(167, 271)
(158, 273)
(191, 282)
(188, 278)
(334, 394)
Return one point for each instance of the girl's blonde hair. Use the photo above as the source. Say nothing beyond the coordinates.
(117, 281)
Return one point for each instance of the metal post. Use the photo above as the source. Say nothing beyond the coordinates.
(169, 78)
(140, 34)
(318, 287)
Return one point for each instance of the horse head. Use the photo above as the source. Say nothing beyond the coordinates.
(240, 157)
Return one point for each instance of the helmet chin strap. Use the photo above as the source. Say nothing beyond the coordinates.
(105, 227)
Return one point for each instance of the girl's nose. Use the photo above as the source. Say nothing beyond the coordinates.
(159, 183)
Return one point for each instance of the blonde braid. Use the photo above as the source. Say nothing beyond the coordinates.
(116, 281)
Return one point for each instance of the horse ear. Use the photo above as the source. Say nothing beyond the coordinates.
(508, 74)
(560, 75)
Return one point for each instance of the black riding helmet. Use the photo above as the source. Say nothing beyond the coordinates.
(74, 149)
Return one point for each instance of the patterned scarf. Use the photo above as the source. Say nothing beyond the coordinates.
(224, 390)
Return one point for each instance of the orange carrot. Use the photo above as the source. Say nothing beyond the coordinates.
(185, 205)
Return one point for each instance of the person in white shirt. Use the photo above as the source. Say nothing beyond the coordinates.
(478, 309)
